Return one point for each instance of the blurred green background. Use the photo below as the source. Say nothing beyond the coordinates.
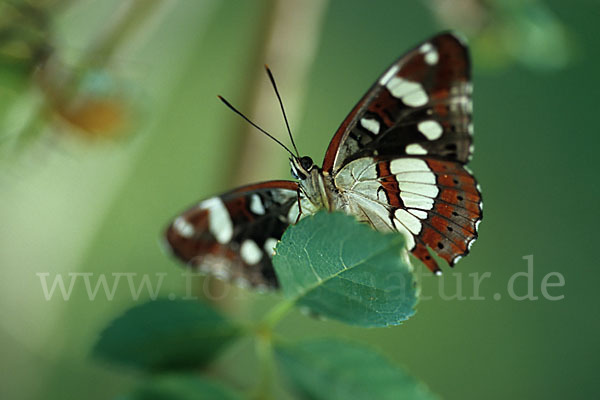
(71, 204)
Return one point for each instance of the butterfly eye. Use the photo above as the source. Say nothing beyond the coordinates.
(306, 163)
(298, 167)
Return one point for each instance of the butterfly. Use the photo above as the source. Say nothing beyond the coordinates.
(397, 162)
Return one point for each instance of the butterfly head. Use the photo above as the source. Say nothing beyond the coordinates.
(301, 167)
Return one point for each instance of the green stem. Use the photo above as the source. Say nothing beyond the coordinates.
(277, 313)
(264, 352)
(263, 334)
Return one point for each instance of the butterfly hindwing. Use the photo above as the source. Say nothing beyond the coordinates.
(421, 105)
(432, 202)
(232, 236)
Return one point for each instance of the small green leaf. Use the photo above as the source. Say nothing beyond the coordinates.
(329, 369)
(166, 335)
(342, 269)
(181, 387)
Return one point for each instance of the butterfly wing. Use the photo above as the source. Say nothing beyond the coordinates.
(399, 156)
(232, 236)
(420, 105)
(433, 202)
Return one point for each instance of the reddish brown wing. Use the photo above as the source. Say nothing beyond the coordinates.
(423, 99)
(232, 236)
(439, 206)
(420, 108)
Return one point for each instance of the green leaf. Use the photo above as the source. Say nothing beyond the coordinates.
(345, 270)
(331, 369)
(181, 387)
(166, 335)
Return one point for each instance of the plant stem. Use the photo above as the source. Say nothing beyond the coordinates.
(276, 313)
(263, 334)
(264, 352)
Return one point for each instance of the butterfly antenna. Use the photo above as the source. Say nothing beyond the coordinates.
(282, 109)
(254, 125)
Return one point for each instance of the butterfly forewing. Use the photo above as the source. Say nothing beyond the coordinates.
(232, 236)
(421, 105)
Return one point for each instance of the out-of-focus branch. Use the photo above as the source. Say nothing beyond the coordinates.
(128, 20)
(290, 45)
(289, 39)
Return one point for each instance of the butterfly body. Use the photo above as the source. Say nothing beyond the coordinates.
(397, 162)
